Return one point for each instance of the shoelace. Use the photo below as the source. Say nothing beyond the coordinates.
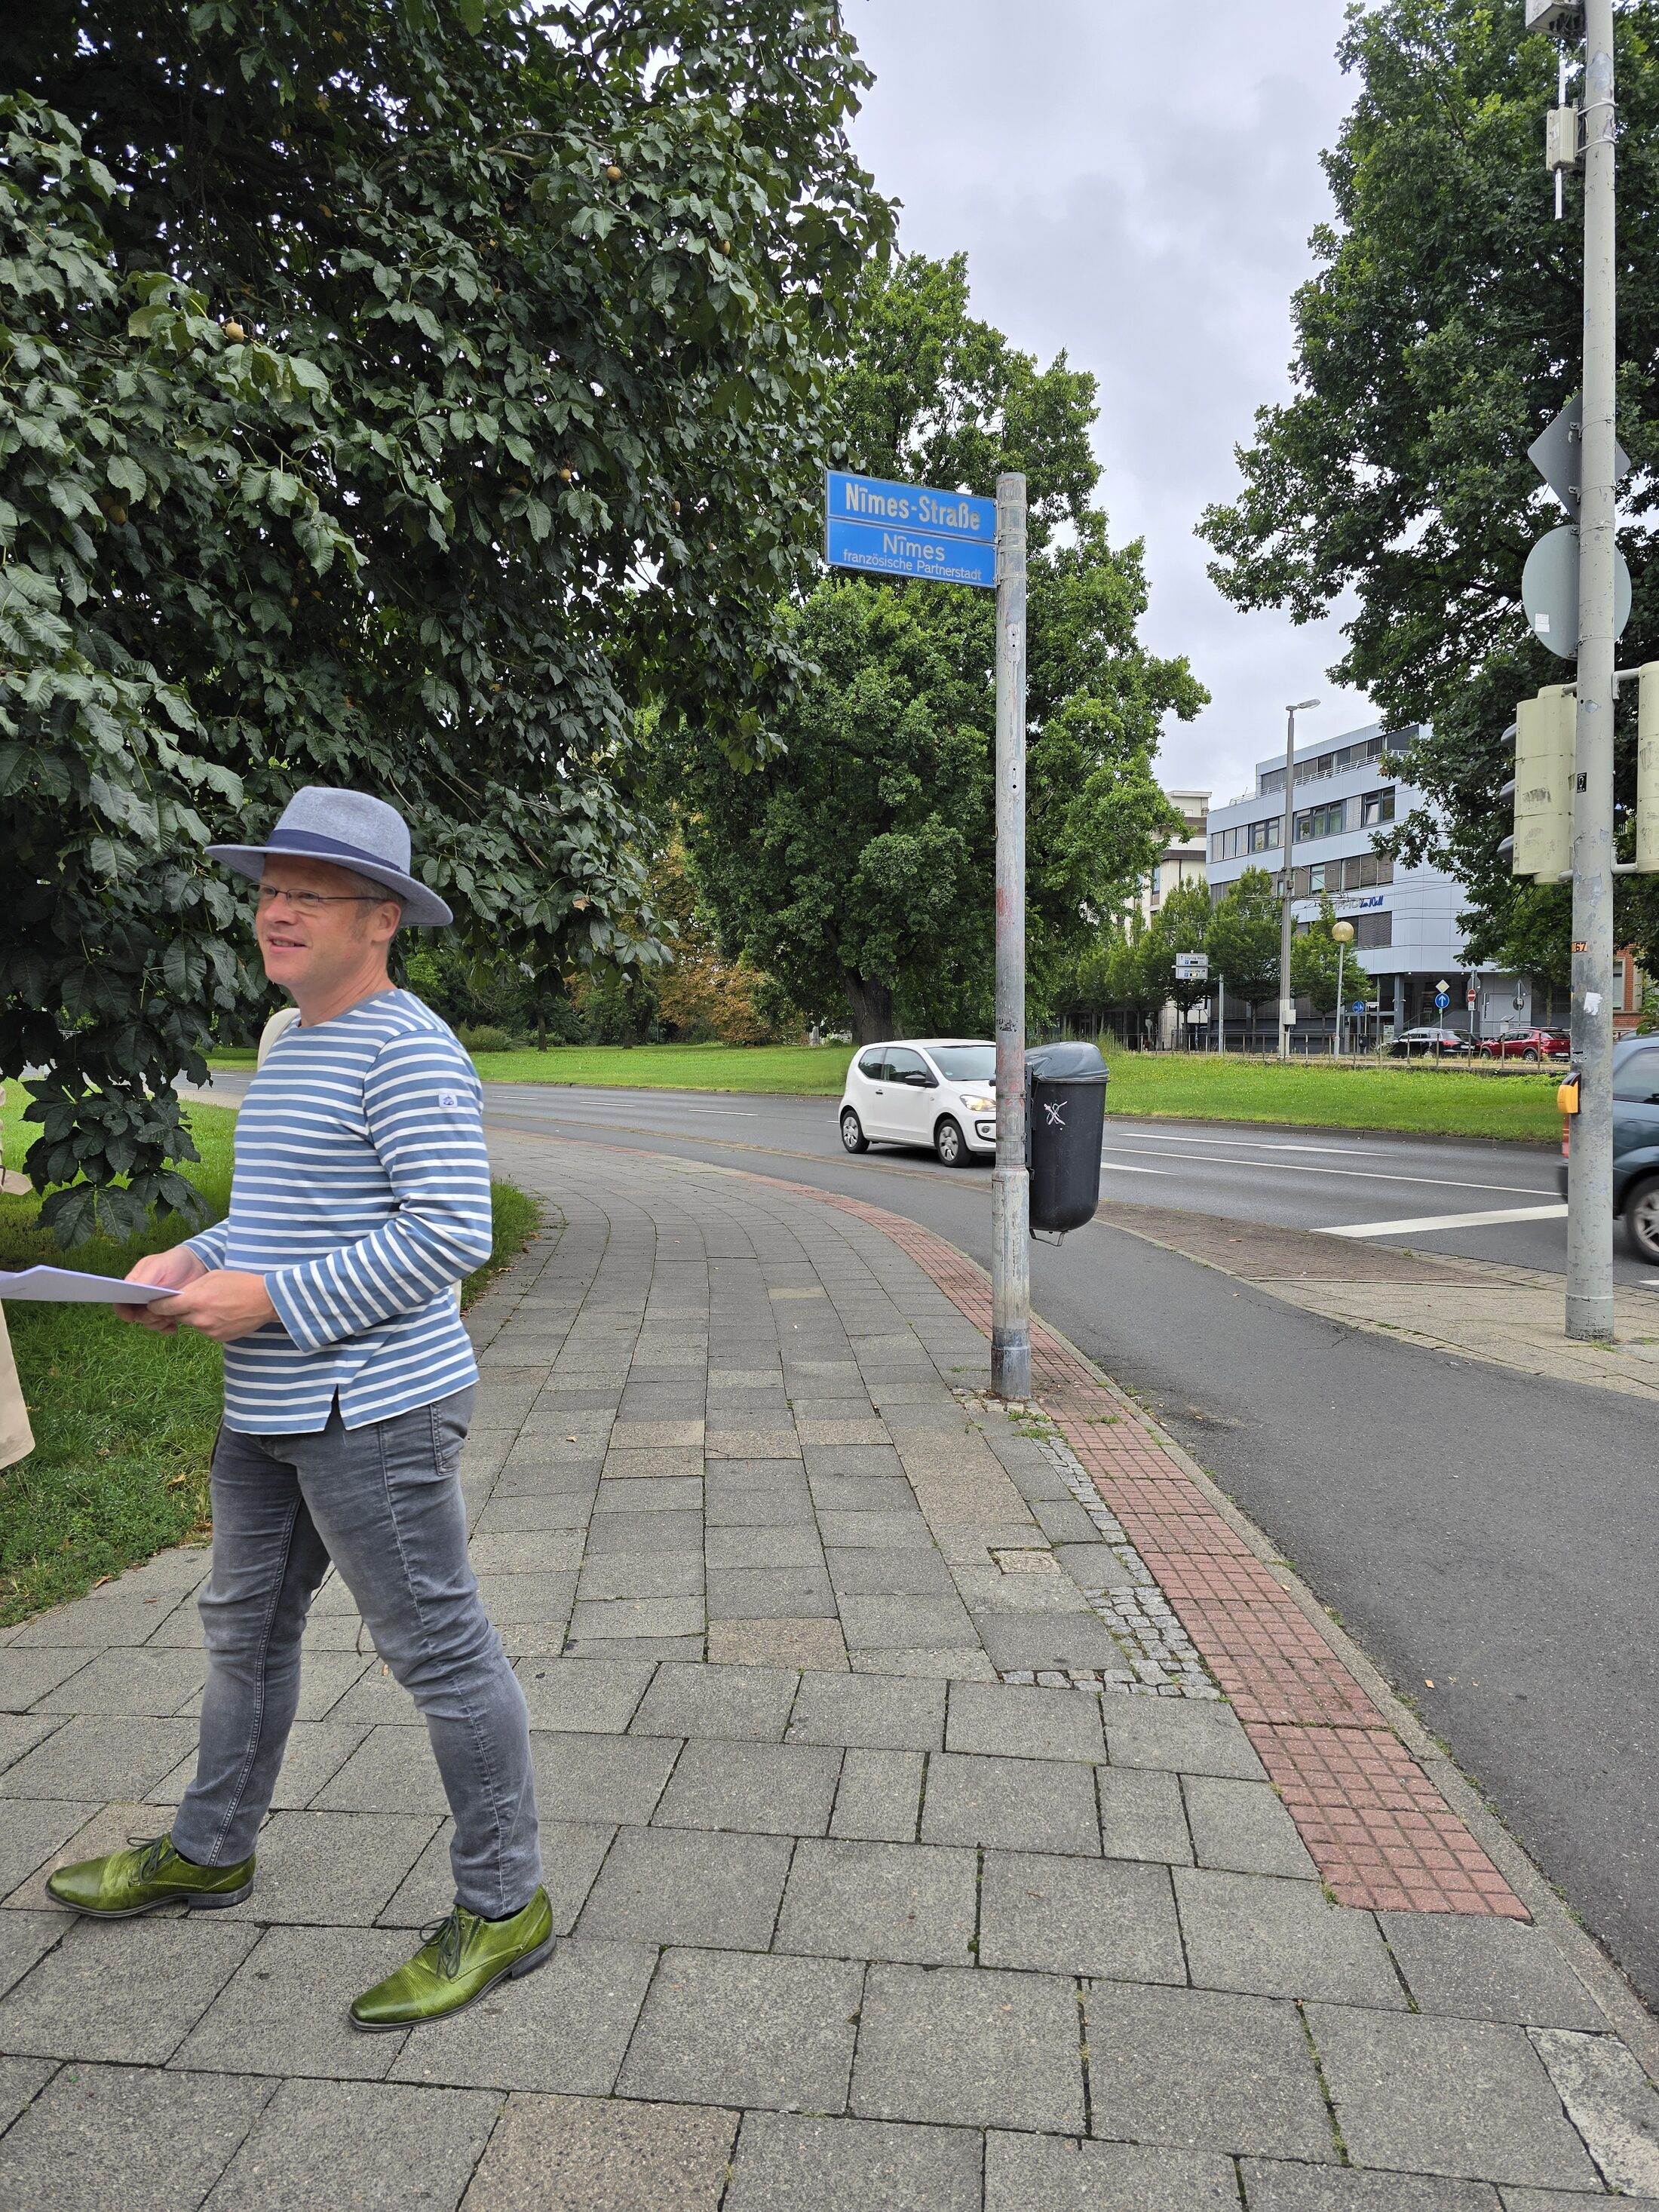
(151, 1851)
(448, 1936)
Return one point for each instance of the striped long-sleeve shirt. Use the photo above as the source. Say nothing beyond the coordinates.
(361, 1195)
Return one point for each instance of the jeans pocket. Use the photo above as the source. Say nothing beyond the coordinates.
(450, 1419)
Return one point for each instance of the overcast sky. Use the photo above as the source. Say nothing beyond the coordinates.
(1136, 185)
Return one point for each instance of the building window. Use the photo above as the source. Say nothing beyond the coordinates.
(1361, 872)
(1273, 779)
(1357, 756)
(1375, 807)
(1316, 879)
(1319, 822)
(1372, 932)
(1158, 882)
(1264, 835)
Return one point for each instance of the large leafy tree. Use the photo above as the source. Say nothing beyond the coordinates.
(1441, 332)
(855, 865)
(1181, 924)
(1243, 940)
(407, 395)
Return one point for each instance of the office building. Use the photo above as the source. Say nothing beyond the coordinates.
(1407, 936)
(1183, 859)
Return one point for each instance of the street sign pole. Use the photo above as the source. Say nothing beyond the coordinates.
(1010, 1274)
(1590, 1219)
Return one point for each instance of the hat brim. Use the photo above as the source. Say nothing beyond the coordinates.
(422, 909)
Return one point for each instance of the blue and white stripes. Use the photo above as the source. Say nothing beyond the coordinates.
(361, 1195)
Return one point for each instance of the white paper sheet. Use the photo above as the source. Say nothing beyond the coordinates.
(68, 1286)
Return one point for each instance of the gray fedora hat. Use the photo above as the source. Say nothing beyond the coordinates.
(351, 829)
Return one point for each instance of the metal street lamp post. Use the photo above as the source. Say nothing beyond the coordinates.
(1343, 932)
(1286, 1001)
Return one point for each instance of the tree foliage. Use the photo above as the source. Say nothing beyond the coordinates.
(1181, 924)
(855, 865)
(1441, 333)
(1244, 939)
(404, 396)
(1315, 964)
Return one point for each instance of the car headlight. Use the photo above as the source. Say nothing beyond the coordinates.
(979, 1105)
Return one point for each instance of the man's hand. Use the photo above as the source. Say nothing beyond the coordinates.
(174, 1269)
(225, 1303)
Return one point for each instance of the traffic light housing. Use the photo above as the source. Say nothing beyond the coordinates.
(1646, 769)
(1541, 846)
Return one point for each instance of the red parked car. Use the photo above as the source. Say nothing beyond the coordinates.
(1528, 1044)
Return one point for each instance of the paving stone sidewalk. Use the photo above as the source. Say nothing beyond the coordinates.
(853, 1922)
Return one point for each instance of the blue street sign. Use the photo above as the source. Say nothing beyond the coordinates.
(907, 530)
(881, 548)
(1442, 999)
(940, 514)
(1359, 1005)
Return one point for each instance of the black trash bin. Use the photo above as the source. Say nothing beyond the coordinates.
(1064, 1126)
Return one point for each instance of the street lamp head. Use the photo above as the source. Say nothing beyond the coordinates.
(1342, 932)
(1300, 705)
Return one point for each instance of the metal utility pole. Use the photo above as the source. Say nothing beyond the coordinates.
(1286, 998)
(1590, 1219)
(1011, 1272)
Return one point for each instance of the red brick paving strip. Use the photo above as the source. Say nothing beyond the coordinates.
(1377, 1829)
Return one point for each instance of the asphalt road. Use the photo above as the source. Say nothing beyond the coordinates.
(1485, 1197)
(1486, 1536)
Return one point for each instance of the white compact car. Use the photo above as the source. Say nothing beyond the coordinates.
(938, 1092)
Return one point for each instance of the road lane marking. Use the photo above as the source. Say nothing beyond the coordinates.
(1254, 1143)
(1122, 1167)
(1556, 1213)
(1351, 1174)
(565, 1103)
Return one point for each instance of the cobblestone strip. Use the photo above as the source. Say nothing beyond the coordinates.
(1159, 1658)
(1379, 1830)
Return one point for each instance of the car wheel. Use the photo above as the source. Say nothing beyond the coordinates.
(851, 1132)
(950, 1144)
(1642, 1220)
(1531, 1053)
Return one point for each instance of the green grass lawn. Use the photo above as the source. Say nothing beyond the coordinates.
(123, 1420)
(803, 1070)
(1460, 1102)
(1464, 1102)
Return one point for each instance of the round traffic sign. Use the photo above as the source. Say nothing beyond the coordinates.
(1549, 591)
(1442, 999)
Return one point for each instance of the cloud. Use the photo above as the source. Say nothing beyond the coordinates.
(1136, 186)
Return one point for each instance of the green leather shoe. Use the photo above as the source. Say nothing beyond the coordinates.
(461, 1958)
(151, 1874)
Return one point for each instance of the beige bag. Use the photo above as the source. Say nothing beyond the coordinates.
(16, 1438)
(279, 1024)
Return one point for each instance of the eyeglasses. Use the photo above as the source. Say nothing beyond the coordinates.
(308, 901)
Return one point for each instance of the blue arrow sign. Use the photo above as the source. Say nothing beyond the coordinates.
(907, 530)
(1442, 999)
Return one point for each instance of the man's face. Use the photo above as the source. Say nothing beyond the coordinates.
(312, 948)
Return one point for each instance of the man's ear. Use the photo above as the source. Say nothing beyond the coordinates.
(384, 921)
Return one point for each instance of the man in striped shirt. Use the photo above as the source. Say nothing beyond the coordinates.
(361, 1198)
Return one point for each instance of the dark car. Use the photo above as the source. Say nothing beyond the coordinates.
(1429, 1038)
(1635, 1143)
(1528, 1044)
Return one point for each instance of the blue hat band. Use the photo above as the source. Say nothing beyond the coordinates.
(311, 841)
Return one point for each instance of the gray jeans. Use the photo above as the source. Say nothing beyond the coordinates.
(384, 1503)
